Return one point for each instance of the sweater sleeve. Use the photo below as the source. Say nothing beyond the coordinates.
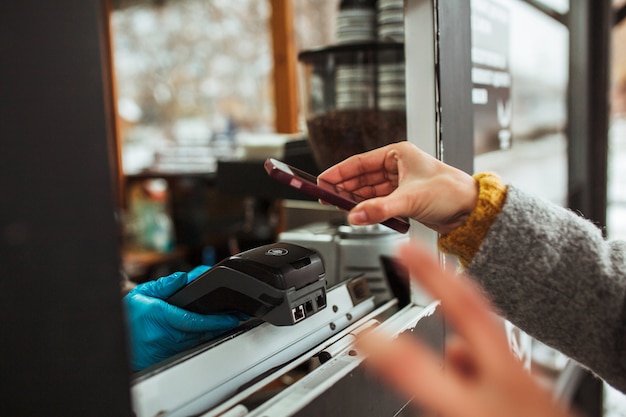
(464, 241)
(551, 273)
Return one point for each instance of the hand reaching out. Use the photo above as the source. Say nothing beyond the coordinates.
(402, 180)
(480, 376)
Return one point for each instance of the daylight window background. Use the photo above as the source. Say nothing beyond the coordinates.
(193, 74)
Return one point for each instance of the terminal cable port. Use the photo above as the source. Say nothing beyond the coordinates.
(320, 301)
(298, 313)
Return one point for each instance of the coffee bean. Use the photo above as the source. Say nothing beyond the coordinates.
(336, 135)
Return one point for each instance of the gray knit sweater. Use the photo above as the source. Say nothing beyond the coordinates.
(552, 274)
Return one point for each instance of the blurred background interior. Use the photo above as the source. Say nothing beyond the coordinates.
(208, 89)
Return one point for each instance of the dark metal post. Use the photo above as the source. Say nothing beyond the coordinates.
(63, 349)
(454, 84)
(590, 24)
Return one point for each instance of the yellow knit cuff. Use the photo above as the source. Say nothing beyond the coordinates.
(464, 241)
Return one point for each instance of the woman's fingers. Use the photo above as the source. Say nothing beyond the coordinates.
(467, 310)
(373, 167)
(480, 376)
(415, 370)
(448, 390)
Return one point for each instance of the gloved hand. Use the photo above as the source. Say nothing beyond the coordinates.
(159, 330)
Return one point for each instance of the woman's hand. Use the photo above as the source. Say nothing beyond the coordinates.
(480, 376)
(402, 180)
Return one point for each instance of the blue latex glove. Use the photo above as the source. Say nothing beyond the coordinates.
(196, 272)
(159, 330)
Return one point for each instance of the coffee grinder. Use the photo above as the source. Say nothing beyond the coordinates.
(354, 95)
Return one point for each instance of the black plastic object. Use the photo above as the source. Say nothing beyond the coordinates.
(280, 283)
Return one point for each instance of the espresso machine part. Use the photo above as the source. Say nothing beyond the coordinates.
(356, 21)
(349, 251)
(390, 20)
(354, 98)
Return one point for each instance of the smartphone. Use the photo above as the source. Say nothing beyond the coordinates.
(322, 190)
